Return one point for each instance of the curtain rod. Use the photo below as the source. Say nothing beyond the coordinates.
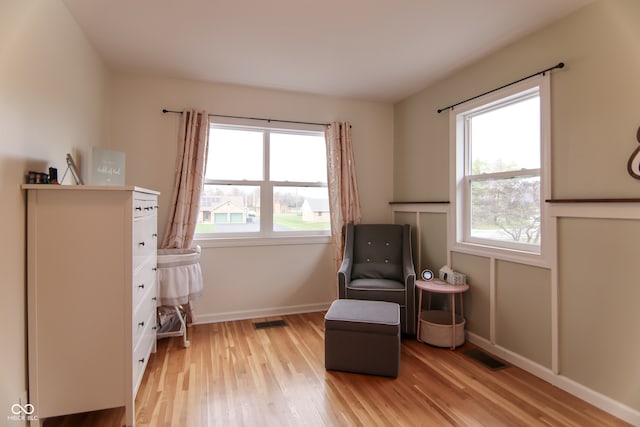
(254, 118)
(450, 107)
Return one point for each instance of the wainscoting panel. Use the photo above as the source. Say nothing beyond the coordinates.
(573, 320)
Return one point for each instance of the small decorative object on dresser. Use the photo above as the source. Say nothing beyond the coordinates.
(75, 172)
(53, 176)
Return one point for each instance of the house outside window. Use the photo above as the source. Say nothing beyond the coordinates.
(264, 182)
(501, 170)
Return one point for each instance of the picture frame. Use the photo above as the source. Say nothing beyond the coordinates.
(105, 167)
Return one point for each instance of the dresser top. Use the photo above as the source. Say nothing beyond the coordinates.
(57, 187)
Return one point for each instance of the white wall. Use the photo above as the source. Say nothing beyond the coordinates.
(52, 101)
(250, 281)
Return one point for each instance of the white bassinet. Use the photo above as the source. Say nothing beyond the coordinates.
(179, 283)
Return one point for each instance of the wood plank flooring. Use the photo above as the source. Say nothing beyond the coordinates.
(235, 375)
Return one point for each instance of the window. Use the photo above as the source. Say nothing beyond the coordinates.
(264, 182)
(501, 143)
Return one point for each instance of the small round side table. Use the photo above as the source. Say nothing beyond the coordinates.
(440, 287)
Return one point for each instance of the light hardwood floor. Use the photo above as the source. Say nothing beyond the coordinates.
(235, 375)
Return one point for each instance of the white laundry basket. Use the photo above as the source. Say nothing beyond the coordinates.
(436, 328)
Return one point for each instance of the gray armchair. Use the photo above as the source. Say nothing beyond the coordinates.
(378, 266)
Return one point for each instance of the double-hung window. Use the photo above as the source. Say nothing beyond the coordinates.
(501, 169)
(263, 182)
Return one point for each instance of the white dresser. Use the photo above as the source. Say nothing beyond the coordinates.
(92, 291)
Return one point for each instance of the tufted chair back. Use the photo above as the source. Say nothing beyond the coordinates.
(377, 252)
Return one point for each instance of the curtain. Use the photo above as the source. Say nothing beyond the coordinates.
(191, 160)
(344, 201)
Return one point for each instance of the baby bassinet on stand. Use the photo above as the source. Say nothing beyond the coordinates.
(179, 283)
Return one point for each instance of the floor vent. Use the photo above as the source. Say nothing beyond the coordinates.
(269, 324)
(485, 359)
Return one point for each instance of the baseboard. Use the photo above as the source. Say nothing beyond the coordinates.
(596, 399)
(254, 314)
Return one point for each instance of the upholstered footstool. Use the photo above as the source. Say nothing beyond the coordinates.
(363, 337)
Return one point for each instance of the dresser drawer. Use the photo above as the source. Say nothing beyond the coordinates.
(141, 315)
(142, 351)
(144, 206)
(145, 279)
(145, 237)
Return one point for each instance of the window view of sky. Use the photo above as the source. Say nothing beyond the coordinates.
(235, 155)
(238, 155)
(298, 158)
(509, 135)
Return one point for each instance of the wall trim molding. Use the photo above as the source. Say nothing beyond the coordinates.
(572, 387)
(596, 210)
(591, 209)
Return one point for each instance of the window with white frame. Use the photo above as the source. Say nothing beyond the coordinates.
(501, 168)
(264, 182)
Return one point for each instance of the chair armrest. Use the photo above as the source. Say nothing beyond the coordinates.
(409, 274)
(344, 277)
(408, 271)
(344, 272)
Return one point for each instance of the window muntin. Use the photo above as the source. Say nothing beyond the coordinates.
(263, 182)
(500, 178)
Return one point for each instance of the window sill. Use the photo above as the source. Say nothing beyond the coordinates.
(226, 242)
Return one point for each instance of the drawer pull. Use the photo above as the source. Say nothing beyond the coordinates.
(141, 286)
(141, 244)
(154, 299)
(139, 208)
(141, 324)
(154, 235)
(141, 360)
(154, 269)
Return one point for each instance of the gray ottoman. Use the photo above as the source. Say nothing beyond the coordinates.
(363, 337)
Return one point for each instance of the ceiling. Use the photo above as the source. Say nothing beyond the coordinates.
(361, 49)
